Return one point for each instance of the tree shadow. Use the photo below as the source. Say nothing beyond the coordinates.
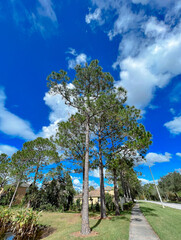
(122, 217)
(148, 211)
(97, 224)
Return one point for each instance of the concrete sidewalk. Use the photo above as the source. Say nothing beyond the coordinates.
(139, 227)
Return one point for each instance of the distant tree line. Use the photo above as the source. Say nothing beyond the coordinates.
(168, 185)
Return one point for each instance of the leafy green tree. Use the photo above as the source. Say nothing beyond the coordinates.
(126, 137)
(171, 183)
(4, 169)
(102, 122)
(90, 86)
(20, 166)
(40, 152)
(91, 188)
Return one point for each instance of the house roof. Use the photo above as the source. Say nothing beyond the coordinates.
(108, 188)
(96, 192)
(25, 185)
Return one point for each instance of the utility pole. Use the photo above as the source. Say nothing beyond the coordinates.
(157, 188)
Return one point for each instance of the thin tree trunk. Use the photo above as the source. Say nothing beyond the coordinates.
(14, 194)
(85, 209)
(116, 198)
(101, 173)
(36, 175)
(33, 185)
(123, 185)
(83, 186)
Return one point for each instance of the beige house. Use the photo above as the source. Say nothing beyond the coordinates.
(21, 191)
(94, 196)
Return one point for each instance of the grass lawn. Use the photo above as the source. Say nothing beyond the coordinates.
(166, 222)
(116, 228)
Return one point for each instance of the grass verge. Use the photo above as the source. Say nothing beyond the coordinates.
(116, 228)
(164, 221)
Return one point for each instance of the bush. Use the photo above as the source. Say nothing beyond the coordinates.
(24, 224)
(127, 206)
(5, 220)
(47, 207)
(109, 202)
(7, 195)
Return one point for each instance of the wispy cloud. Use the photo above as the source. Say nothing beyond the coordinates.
(59, 112)
(178, 154)
(95, 16)
(174, 126)
(76, 59)
(41, 17)
(12, 124)
(9, 150)
(145, 181)
(152, 158)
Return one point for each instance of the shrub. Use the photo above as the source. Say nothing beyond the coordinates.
(127, 206)
(5, 221)
(25, 224)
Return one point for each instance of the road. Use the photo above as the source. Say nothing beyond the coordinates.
(171, 205)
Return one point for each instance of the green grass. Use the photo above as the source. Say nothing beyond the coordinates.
(116, 228)
(166, 222)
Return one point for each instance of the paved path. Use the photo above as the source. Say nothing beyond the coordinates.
(172, 205)
(139, 227)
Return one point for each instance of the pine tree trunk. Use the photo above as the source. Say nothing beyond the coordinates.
(36, 175)
(83, 187)
(14, 194)
(123, 185)
(85, 206)
(101, 173)
(116, 198)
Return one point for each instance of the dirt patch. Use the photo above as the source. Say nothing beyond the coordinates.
(79, 234)
(47, 231)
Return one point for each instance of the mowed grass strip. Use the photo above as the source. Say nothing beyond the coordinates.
(116, 228)
(166, 222)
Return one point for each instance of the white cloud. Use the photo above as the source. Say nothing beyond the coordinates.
(13, 125)
(9, 150)
(153, 158)
(174, 126)
(96, 15)
(152, 68)
(79, 59)
(155, 28)
(46, 10)
(59, 112)
(178, 154)
(172, 110)
(41, 18)
(145, 181)
(125, 22)
(77, 184)
(149, 53)
(94, 184)
(95, 173)
(178, 170)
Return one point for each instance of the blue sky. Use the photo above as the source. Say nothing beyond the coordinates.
(138, 41)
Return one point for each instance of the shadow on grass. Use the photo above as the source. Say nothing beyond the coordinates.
(97, 224)
(148, 211)
(122, 217)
